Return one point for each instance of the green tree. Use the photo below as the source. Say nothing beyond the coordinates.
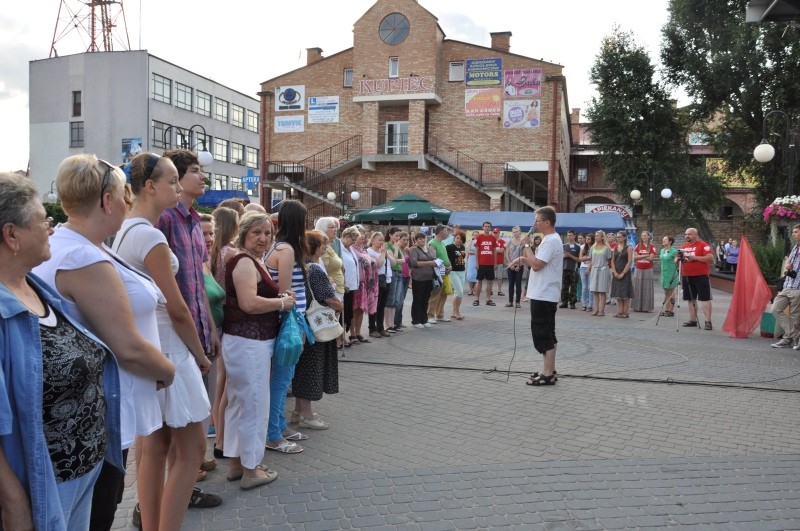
(735, 73)
(636, 128)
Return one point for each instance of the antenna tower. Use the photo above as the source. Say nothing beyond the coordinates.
(97, 23)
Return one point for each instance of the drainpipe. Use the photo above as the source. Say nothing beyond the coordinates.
(553, 181)
(266, 192)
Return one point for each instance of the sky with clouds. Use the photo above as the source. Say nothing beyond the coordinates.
(241, 43)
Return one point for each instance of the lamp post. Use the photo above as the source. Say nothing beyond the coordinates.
(765, 152)
(666, 193)
(203, 156)
(51, 195)
(355, 195)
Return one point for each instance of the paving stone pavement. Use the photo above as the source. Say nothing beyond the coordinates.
(650, 426)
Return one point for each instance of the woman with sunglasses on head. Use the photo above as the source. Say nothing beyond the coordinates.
(55, 432)
(185, 404)
(113, 300)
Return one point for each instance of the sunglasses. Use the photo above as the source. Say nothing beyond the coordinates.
(106, 179)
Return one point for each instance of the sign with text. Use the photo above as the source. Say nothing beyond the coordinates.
(624, 210)
(290, 98)
(323, 109)
(525, 83)
(290, 124)
(483, 72)
(483, 102)
(520, 114)
(396, 85)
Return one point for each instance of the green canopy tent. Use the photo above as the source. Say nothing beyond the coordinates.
(407, 209)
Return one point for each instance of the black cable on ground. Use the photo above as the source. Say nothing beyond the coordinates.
(668, 381)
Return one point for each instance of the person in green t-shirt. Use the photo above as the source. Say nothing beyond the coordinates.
(438, 297)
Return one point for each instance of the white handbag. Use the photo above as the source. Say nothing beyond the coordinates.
(322, 320)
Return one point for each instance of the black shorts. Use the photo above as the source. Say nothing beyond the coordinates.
(485, 272)
(696, 288)
(543, 325)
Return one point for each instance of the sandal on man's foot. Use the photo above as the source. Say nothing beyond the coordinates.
(490, 303)
(362, 339)
(690, 323)
(476, 303)
(353, 341)
(709, 326)
(542, 380)
(536, 375)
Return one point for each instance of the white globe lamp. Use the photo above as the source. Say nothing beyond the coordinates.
(636, 194)
(764, 152)
(666, 193)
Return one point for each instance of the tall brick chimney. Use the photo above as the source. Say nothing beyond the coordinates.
(501, 41)
(575, 115)
(313, 55)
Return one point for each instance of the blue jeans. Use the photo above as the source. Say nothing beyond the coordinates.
(76, 499)
(587, 297)
(401, 299)
(278, 385)
(514, 285)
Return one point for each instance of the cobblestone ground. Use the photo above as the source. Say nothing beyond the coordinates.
(650, 425)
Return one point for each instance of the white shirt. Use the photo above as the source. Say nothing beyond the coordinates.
(386, 268)
(350, 267)
(545, 284)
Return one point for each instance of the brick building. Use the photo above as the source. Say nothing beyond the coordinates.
(406, 110)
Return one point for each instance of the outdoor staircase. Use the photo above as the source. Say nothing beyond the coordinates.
(484, 176)
(313, 176)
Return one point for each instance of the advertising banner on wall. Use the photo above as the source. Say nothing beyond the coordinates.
(290, 124)
(290, 98)
(483, 72)
(323, 109)
(130, 148)
(483, 102)
(520, 114)
(525, 83)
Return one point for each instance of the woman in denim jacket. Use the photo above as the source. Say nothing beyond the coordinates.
(55, 432)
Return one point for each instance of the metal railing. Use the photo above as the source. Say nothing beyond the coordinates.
(334, 155)
(488, 173)
(310, 172)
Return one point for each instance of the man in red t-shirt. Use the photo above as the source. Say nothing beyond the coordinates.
(697, 258)
(486, 249)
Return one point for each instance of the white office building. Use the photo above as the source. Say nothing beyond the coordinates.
(115, 104)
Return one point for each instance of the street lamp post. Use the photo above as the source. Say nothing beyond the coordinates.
(666, 193)
(765, 152)
(51, 195)
(203, 156)
(355, 195)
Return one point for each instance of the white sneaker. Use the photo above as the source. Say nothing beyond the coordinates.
(428, 325)
(445, 320)
(796, 347)
(431, 320)
(419, 326)
(783, 343)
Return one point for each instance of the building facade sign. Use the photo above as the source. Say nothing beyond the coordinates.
(290, 124)
(323, 109)
(396, 85)
(525, 83)
(483, 72)
(291, 98)
(483, 102)
(519, 114)
(624, 210)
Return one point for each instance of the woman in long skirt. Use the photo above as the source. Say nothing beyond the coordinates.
(644, 253)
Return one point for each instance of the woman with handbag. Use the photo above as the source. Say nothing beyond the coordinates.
(317, 371)
(250, 327)
(422, 273)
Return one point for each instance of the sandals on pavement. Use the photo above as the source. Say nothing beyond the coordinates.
(203, 500)
(295, 436)
(314, 423)
(541, 379)
(362, 339)
(476, 302)
(490, 303)
(690, 323)
(285, 447)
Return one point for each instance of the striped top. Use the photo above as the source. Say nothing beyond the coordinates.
(298, 282)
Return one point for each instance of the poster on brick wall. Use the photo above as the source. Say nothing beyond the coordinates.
(290, 124)
(323, 109)
(290, 98)
(525, 83)
(483, 72)
(519, 114)
(483, 102)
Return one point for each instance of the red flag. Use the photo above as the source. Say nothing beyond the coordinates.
(750, 295)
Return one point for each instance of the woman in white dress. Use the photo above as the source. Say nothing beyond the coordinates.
(113, 300)
(184, 405)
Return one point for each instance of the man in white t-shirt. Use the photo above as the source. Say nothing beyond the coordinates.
(544, 291)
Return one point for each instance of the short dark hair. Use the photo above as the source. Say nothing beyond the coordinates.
(419, 235)
(182, 158)
(314, 240)
(570, 231)
(547, 213)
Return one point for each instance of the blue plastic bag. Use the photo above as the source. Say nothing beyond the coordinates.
(289, 343)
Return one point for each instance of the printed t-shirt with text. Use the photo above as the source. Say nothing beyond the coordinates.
(695, 269)
(486, 245)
